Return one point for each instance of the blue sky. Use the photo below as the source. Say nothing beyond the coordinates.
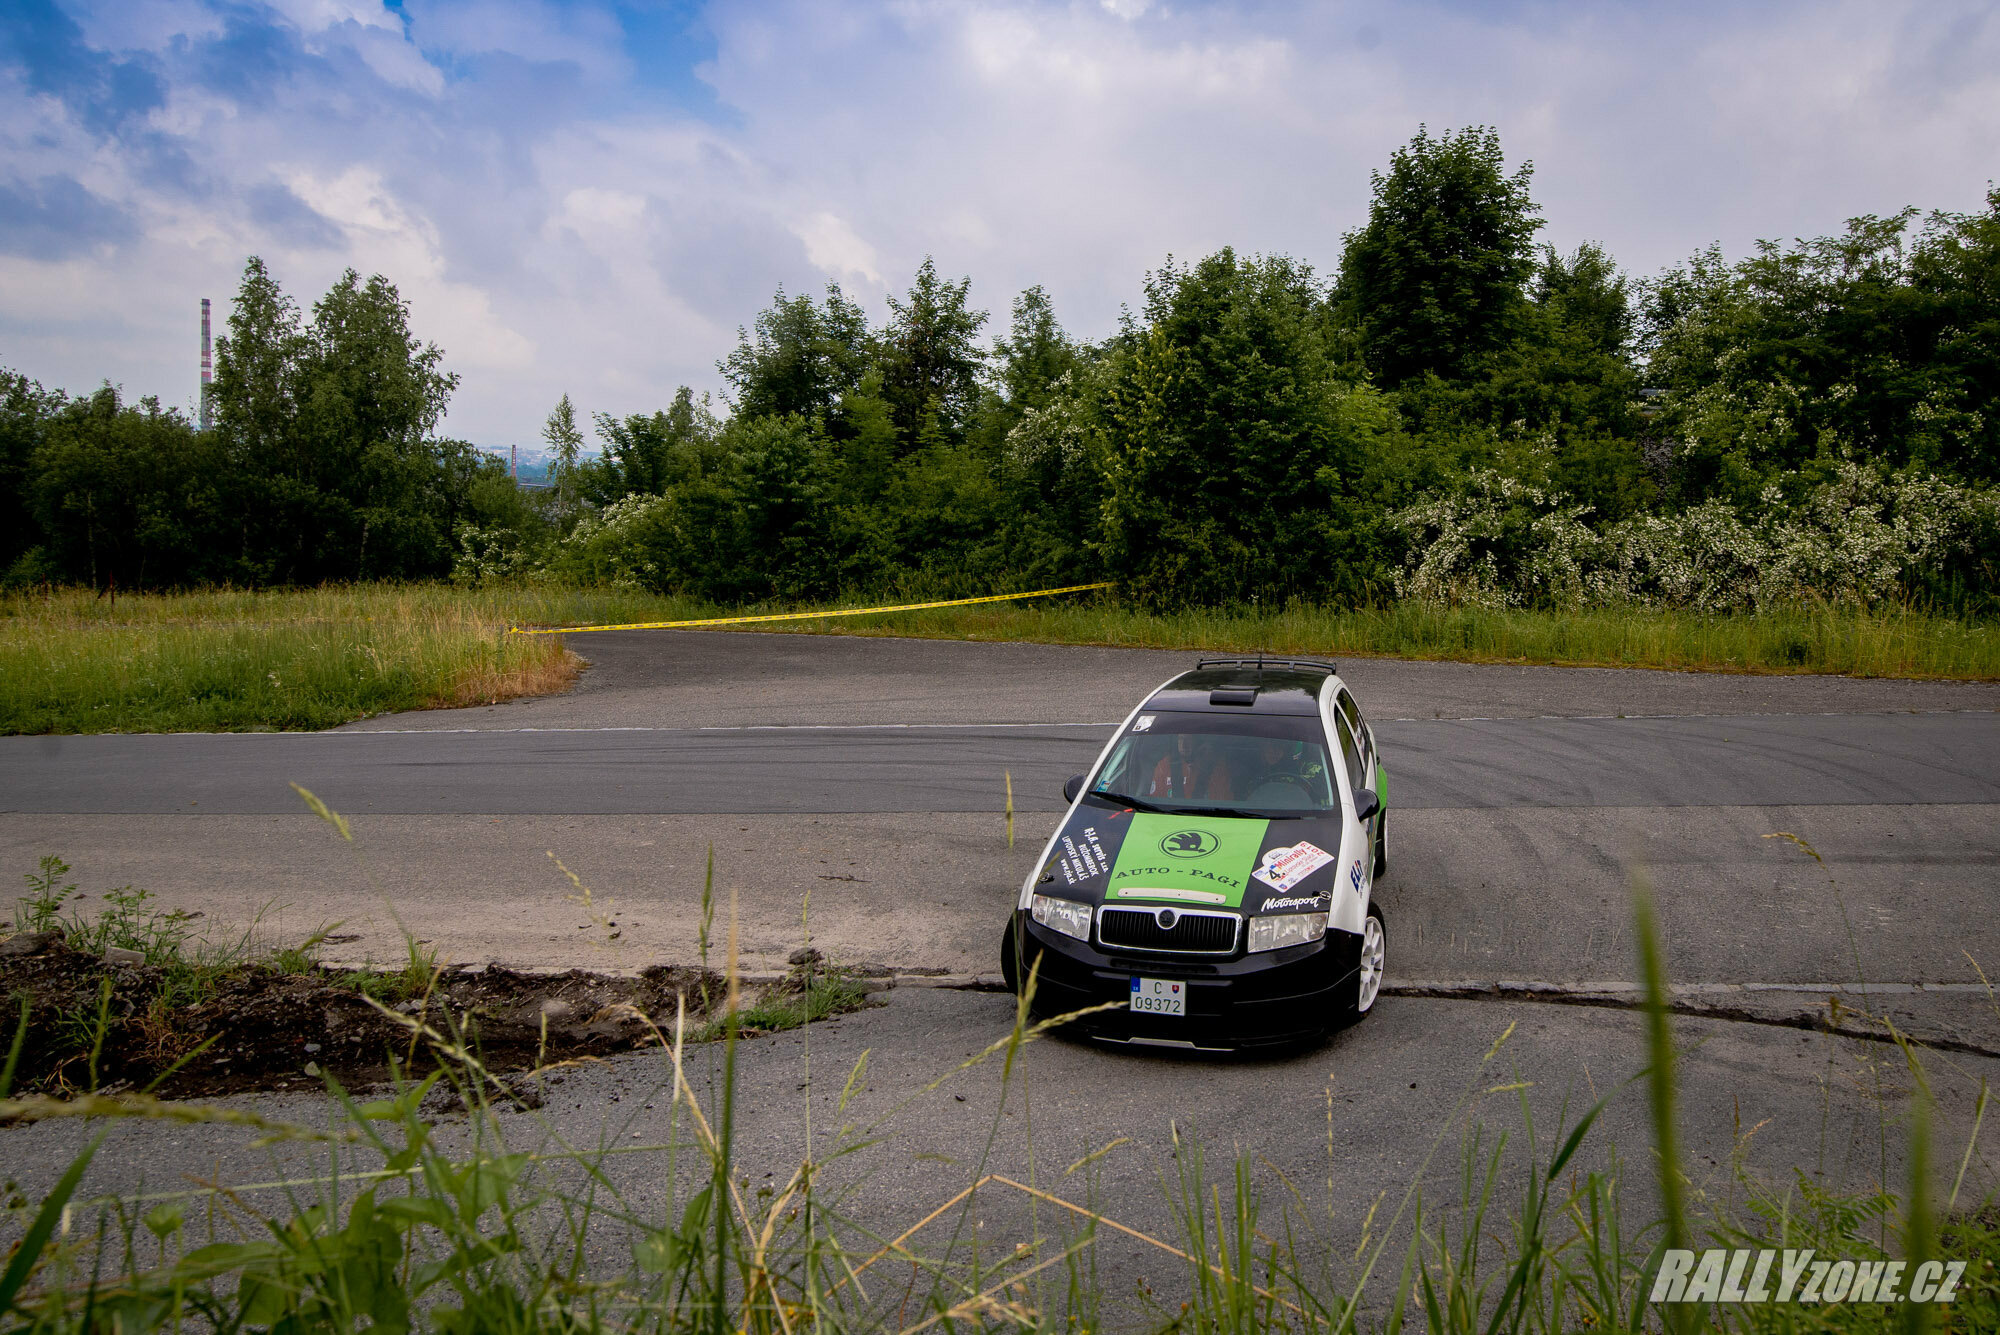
(591, 198)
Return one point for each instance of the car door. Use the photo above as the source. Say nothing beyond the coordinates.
(1363, 868)
(1364, 736)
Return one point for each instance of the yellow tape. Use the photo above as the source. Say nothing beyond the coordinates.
(808, 616)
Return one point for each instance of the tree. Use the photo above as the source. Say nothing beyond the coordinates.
(1437, 276)
(370, 397)
(1869, 344)
(124, 495)
(24, 411)
(564, 441)
(1233, 439)
(1035, 354)
(327, 428)
(652, 452)
(930, 360)
(803, 357)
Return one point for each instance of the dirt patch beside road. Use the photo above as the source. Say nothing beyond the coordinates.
(112, 1026)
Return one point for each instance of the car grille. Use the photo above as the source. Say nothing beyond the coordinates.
(1139, 929)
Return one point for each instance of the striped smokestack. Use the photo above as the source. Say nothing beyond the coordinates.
(207, 367)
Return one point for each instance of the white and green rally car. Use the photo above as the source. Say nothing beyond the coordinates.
(1214, 873)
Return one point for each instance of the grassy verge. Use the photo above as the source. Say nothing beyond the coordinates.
(72, 662)
(1830, 639)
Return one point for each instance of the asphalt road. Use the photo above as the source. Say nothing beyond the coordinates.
(1525, 804)
(1767, 760)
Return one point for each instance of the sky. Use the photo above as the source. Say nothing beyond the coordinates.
(591, 198)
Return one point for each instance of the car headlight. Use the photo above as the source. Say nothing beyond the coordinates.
(1065, 916)
(1285, 929)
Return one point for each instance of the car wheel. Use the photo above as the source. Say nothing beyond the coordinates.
(1364, 985)
(1382, 845)
(1374, 953)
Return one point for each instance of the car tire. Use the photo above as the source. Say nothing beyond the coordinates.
(1381, 845)
(1364, 985)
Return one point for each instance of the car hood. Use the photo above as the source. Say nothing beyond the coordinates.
(1109, 856)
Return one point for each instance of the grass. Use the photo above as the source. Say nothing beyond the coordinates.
(73, 662)
(1526, 1229)
(1895, 642)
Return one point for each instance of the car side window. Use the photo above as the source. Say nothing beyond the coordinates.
(1352, 712)
(1348, 750)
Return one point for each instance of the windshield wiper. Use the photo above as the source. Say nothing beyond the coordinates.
(1136, 803)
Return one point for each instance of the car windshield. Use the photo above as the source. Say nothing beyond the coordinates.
(1266, 765)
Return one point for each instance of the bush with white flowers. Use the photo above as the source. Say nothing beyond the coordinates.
(1859, 536)
(621, 545)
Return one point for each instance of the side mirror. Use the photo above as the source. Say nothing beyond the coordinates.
(1366, 805)
(1072, 786)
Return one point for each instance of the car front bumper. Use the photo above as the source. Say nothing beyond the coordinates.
(1273, 998)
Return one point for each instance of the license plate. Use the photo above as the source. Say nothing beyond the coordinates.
(1159, 996)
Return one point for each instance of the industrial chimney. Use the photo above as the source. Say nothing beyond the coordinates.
(207, 367)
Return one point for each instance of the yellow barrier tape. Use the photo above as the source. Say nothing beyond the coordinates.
(808, 616)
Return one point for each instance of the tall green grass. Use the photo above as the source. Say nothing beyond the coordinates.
(71, 661)
(1895, 642)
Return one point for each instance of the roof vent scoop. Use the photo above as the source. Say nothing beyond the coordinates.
(1233, 697)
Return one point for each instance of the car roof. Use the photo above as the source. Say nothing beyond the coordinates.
(1245, 686)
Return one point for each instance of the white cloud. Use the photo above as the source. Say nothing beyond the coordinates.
(835, 250)
(562, 220)
(386, 237)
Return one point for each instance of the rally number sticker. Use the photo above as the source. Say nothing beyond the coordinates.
(1283, 868)
(1159, 996)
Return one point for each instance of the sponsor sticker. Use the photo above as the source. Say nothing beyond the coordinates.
(1283, 868)
(1746, 1275)
(1295, 902)
(1082, 858)
(1354, 875)
(1144, 723)
(1205, 858)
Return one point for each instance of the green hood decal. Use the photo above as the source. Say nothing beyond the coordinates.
(1186, 859)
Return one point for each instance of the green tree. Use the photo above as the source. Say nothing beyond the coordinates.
(327, 427)
(651, 452)
(1035, 354)
(124, 495)
(1437, 277)
(931, 359)
(564, 440)
(24, 410)
(1870, 344)
(371, 395)
(802, 357)
(1233, 441)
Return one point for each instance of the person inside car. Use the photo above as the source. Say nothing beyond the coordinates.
(1194, 767)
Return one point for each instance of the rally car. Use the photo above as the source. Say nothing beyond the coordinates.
(1214, 874)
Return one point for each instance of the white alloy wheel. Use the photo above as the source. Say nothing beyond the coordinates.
(1373, 950)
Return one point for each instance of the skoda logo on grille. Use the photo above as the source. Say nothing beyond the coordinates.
(1166, 918)
(1188, 844)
